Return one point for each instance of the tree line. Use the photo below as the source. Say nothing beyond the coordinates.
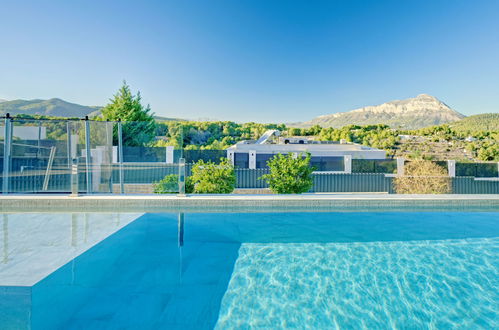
(140, 128)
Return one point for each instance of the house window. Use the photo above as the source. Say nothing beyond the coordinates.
(241, 160)
(261, 160)
(328, 163)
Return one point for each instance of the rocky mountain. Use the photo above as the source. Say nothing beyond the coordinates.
(53, 107)
(420, 111)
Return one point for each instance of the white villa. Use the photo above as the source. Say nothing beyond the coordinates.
(326, 155)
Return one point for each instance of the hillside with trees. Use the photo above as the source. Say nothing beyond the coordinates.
(476, 123)
(469, 139)
(53, 107)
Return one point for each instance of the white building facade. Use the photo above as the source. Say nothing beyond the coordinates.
(325, 156)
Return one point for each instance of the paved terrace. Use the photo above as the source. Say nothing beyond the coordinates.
(247, 203)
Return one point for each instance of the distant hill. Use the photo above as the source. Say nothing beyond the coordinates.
(161, 118)
(421, 111)
(53, 107)
(483, 122)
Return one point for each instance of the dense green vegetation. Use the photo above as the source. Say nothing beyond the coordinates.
(482, 144)
(435, 142)
(477, 123)
(169, 185)
(206, 178)
(216, 135)
(211, 178)
(289, 174)
(377, 136)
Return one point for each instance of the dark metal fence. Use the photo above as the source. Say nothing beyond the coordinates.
(470, 185)
(147, 173)
(354, 182)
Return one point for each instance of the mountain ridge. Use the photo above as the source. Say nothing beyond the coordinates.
(421, 111)
(54, 107)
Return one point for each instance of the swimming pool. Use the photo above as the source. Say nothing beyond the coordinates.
(250, 270)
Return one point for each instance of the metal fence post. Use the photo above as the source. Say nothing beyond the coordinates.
(109, 155)
(74, 178)
(68, 132)
(120, 157)
(347, 161)
(180, 229)
(451, 168)
(252, 159)
(230, 156)
(170, 155)
(7, 147)
(400, 166)
(181, 177)
(88, 155)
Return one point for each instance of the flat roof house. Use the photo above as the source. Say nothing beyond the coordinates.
(326, 155)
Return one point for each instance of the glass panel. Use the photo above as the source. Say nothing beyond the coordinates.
(192, 156)
(241, 160)
(139, 154)
(442, 163)
(40, 161)
(387, 166)
(76, 142)
(146, 166)
(101, 155)
(262, 159)
(141, 178)
(328, 163)
(477, 169)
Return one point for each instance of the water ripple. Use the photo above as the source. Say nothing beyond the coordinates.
(410, 284)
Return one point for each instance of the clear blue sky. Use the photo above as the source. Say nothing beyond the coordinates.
(266, 61)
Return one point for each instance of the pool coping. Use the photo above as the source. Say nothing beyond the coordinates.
(244, 203)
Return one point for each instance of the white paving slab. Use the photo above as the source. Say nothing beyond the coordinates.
(33, 245)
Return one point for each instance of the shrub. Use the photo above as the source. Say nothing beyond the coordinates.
(169, 185)
(288, 174)
(211, 178)
(423, 177)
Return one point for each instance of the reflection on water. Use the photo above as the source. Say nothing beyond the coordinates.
(5, 245)
(36, 244)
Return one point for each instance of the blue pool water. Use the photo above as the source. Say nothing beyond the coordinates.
(273, 270)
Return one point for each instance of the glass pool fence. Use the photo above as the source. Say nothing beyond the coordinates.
(103, 157)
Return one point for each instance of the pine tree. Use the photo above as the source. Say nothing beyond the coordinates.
(139, 127)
